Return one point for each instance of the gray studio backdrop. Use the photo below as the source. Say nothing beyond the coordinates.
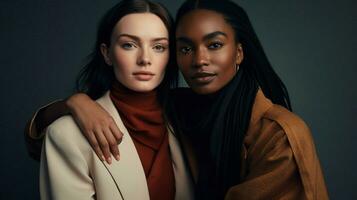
(310, 43)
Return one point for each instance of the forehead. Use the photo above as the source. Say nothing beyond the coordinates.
(200, 22)
(141, 24)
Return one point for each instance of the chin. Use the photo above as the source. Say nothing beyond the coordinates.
(142, 87)
(203, 90)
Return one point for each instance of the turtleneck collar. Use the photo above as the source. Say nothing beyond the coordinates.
(146, 100)
(142, 115)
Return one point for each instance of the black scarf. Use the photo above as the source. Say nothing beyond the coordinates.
(217, 124)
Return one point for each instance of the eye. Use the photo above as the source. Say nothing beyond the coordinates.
(185, 50)
(215, 45)
(159, 48)
(128, 45)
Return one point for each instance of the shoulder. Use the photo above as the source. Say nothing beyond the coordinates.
(279, 126)
(280, 130)
(277, 137)
(63, 127)
(63, 123)
(288, 120)
(291, 124)
(65, 133)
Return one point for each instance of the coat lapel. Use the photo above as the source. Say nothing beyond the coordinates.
(183, 181)
(127, 173)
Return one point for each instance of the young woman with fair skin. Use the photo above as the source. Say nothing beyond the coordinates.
(151, 164)
(246, 144)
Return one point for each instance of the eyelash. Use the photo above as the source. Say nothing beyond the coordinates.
(212, 46)
(128, 45)
(159, 48)
(215, 45)
(185, 50)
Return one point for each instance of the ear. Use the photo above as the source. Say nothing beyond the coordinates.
(105, 53)
(240, 54)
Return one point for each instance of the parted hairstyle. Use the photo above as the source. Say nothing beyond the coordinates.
(229, 115)
(96, 77)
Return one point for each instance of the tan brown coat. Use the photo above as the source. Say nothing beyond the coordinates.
(279, 157)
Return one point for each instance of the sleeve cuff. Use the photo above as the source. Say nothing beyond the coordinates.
(32, 130)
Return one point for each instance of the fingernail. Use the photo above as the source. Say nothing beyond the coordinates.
(109, 160)
(117, 157)
(103, 158)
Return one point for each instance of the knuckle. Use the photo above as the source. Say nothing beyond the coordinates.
(104, 145)
(110, 122)
(95, 145)
(112, 143)
(100, 122)
(98, 127)
(110, 119)
(88, 130)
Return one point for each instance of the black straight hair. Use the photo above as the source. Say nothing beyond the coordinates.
(229, 115)
(96, 77)
(255, 59)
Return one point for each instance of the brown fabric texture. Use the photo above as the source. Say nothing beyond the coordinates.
(279, 160)
(143, 117)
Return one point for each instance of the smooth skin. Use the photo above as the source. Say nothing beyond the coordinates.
(207, 52)
(208, 56)
(139, 59)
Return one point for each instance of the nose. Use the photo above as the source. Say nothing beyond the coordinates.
(144, 58)
(201, 57)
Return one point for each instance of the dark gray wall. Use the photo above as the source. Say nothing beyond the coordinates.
(311, 44)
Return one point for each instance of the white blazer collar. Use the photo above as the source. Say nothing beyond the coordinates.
(128, 172)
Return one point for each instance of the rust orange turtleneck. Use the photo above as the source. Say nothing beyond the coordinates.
(142, 116)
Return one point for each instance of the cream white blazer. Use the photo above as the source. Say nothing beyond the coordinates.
(70, 169)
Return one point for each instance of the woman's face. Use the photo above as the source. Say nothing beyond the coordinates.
(138, 51)
(207, 53)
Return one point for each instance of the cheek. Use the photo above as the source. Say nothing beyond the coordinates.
(162, 61)
(226, 67)
(124, 58)
(226, 60)
(123, 63)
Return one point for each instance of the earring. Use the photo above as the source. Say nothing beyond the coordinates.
(237, 67)
(108, 62)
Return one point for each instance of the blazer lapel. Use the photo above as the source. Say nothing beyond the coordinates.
(127, 173)
(183, 180)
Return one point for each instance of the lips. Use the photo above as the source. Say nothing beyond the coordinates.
(203, 77)
(143, 75)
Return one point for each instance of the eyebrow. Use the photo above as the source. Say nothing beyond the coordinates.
(206, 37)
(214, 34)
(136, 38)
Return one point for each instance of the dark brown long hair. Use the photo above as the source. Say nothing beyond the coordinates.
(96, 77)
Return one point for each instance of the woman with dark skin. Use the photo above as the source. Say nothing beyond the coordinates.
(246, 143)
